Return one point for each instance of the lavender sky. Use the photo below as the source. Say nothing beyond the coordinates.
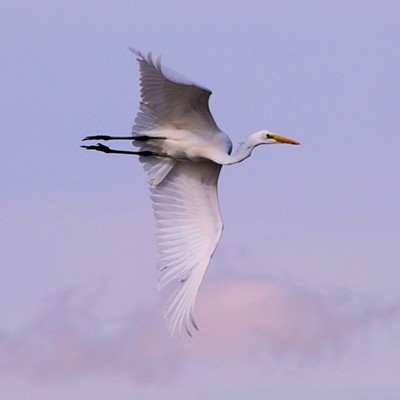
(301, 299)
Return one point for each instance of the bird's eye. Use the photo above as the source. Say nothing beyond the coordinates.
(269, 136)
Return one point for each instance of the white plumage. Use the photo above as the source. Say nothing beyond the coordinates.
(182, 150)
(189, 227)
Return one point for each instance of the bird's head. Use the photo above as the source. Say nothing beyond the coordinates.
(266, 137)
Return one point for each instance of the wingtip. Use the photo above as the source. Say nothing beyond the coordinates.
(175, 327)
(133, 50)
(194, 322)
(137, 53)
(149, 59)
(188, 331)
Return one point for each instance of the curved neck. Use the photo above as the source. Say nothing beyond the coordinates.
(242, 152)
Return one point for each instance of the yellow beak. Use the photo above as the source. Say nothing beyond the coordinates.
(281, 139)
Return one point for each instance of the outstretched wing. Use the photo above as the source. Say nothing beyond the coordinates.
(169, 98)
(169, 102)
(189, 227)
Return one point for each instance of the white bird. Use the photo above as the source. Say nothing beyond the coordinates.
(182, 150)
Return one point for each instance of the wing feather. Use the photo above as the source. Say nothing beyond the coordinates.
(170, 98)
(189, 227)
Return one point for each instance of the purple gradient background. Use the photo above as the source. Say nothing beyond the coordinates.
(302, 297)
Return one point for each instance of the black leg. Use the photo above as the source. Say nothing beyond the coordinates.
(105, 149)
(106, 137)
(141, 138)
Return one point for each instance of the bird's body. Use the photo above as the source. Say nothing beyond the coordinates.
(203, 145)
(182, 150)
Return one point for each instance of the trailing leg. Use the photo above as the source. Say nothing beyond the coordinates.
(141, 138)
(105, 149)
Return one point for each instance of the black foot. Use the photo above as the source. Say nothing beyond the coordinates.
(98, 147)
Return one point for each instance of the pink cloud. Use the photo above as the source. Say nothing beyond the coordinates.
(247, 315)
(238, 320)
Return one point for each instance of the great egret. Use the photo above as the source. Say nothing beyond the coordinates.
(182, 150)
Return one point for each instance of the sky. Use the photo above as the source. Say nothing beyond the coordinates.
(301, 298)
